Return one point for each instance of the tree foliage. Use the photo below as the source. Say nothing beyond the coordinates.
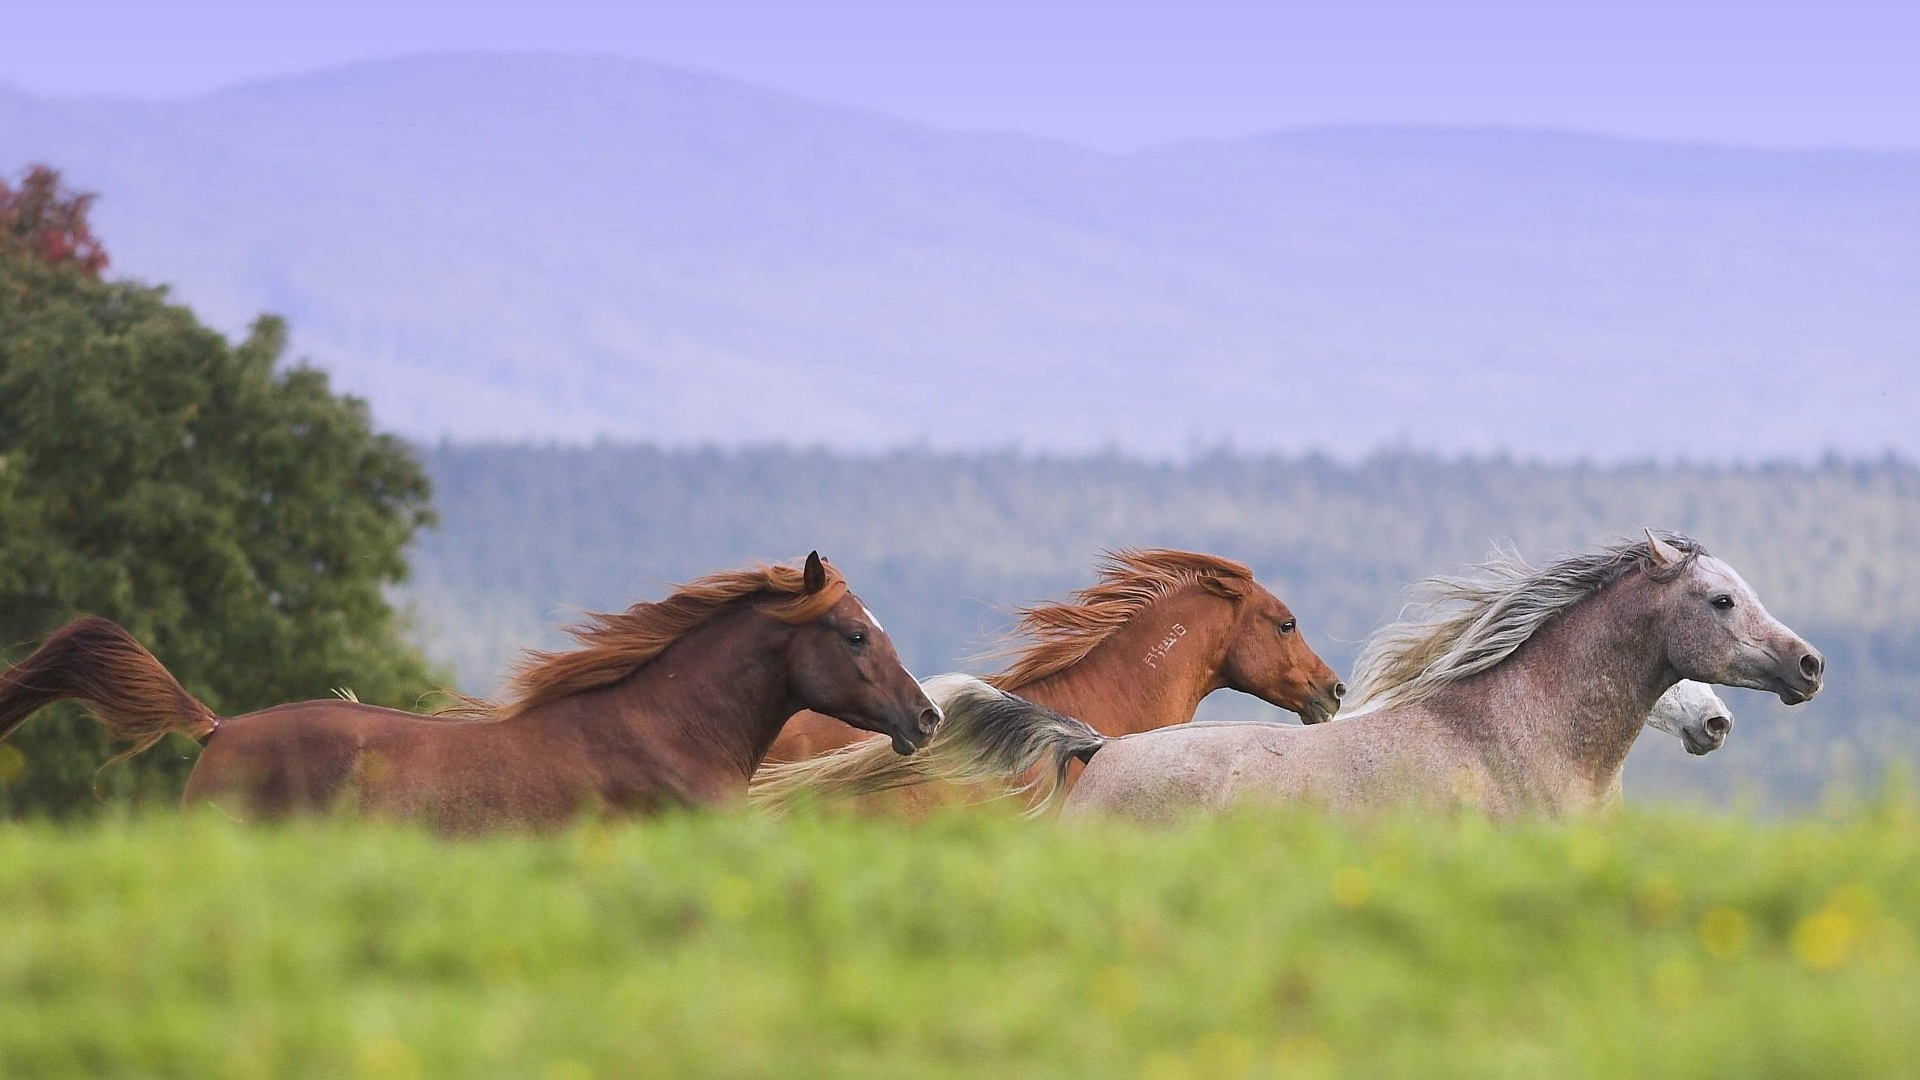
(41, 219)
(234, 513)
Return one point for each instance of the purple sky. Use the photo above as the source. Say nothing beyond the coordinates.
(1113, 74)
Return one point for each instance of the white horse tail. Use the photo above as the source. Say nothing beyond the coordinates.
(991, 735)
(988, 736)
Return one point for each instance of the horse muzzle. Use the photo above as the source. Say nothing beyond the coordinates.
(1711, 735)
(1324, 705)
(1791, 670)
(1801, 679)
(910, 737)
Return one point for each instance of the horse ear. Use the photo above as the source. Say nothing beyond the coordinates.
(1664, 554)
(814, 578)
(1219, 586)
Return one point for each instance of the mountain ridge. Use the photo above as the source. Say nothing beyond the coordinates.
(514, 246)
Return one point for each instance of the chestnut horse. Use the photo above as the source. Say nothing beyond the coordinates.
(666, 704)
(1139, 649)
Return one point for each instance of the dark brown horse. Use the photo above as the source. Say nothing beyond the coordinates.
(665, 704)
(1137, 650)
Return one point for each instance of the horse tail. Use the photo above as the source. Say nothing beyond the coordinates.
(988, 735)
(95, 661)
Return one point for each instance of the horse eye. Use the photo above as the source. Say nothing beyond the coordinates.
(857, 638)
(1723, 602)
(1287, 627)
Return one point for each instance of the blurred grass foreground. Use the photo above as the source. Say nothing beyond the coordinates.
(974, 945)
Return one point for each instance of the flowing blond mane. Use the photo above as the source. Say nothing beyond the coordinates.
(1057, 636)
(1461, 626)
(614, 646)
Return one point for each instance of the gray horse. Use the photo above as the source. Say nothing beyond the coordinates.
(1514, 691)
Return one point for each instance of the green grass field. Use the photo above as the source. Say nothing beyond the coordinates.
(977, 945)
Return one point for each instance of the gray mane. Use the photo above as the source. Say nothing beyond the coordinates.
(1457, 627)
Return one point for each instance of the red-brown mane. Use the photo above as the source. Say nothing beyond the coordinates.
(1131, 579)
(614, 646)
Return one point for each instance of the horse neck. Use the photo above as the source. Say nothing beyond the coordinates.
(696, 720)
(1150, 673)
(1564, 710)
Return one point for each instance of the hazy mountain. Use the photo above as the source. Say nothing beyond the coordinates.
(564, 247)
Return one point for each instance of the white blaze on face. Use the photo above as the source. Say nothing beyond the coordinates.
(875, 620)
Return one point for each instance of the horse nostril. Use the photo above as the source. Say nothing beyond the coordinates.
(929, 719)
(1339, 691)
(1812, 665)
(1718, 726)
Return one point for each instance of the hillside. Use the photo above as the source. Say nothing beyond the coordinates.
(943, 546)
(559, 248)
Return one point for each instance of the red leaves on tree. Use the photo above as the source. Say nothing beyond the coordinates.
(46, 221)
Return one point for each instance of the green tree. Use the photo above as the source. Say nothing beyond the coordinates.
(233, 513)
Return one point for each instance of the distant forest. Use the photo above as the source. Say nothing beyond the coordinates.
(942, 546)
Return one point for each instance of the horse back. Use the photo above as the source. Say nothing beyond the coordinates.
(312, 755)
